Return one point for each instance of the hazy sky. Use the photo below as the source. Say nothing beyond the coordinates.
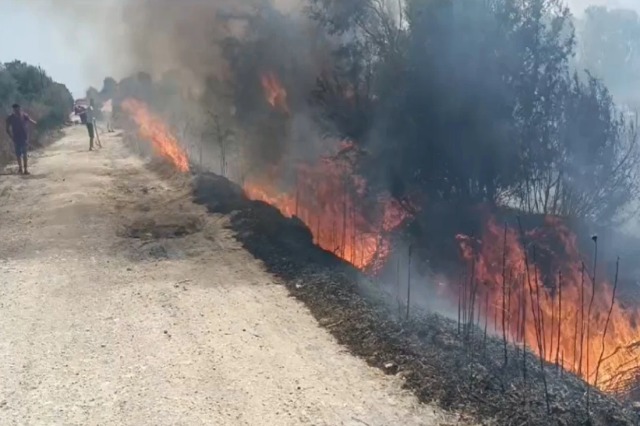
(69, 49)
(66, 47)
(34, 39)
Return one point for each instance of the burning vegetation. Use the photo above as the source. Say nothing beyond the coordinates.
(151, 128)
(457, 108)
(574, 322)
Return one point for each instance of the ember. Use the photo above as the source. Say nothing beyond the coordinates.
(561, 328)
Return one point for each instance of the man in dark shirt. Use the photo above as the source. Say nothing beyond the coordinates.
(19, 133)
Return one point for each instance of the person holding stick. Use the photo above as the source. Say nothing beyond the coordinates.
(87, 117)
(18, 131)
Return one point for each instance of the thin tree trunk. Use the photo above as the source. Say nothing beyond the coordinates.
(504, 290)
(581, 319)
(593, 294)
(409, 283)
(559, 314)
(606, 324)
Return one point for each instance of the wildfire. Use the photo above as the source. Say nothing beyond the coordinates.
(331, 201)
(274, 93)
(555, 321)
(559, 322)
(562, 318)
(153, 129)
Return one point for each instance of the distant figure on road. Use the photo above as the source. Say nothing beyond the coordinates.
(107, 114)
(18, 131)
(87, 116)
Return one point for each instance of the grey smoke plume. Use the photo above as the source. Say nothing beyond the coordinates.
(120, 37)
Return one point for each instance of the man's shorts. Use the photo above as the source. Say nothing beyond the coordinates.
(20, 146)
(90, 129)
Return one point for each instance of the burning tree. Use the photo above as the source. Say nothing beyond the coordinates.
(459, 105)
(484, 109)
(475, 102)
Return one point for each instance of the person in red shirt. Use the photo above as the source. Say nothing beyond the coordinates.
(18, 131)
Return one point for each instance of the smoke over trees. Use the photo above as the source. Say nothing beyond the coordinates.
(447, 101)
(476, 102)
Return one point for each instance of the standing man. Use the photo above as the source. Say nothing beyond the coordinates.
(18, 131)
(87, 116)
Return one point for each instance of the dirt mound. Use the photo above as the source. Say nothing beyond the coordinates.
(148, 227)
(463, 371)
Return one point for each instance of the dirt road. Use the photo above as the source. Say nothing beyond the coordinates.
(176, 326)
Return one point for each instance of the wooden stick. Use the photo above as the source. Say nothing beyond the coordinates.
(409, 283)
(606, 324)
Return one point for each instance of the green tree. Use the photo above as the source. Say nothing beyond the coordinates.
(49, 102)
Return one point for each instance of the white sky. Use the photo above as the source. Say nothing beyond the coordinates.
(577, 6)
(69, 51)
(34, 39)
(66, 46)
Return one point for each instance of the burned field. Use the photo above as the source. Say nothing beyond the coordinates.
(459, 366)
(319, 240)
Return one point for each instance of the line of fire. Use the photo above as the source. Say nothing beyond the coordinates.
(572, 319)
(534, 281)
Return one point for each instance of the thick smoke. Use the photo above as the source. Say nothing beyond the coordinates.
(122, 37)
(119, 37)
(182, 40)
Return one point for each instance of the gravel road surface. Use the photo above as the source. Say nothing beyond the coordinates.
(123, 303)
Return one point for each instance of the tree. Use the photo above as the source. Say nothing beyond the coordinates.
(475, 102)
(109, 88)
(47, 101)
(31, 81)
(596, 169)
(8, 88)
(93, 93)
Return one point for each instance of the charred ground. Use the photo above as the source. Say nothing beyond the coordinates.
(459, 368)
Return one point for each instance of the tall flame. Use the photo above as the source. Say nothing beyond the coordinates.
(153, 129)
(331, 201)
(558, 324)
(557, 321)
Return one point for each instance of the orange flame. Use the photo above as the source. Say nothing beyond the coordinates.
(553, 321)
(557, 324)
(275, 94)
(331, 201)
(152, 128)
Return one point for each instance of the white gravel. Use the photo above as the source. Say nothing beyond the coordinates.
(99, 329)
